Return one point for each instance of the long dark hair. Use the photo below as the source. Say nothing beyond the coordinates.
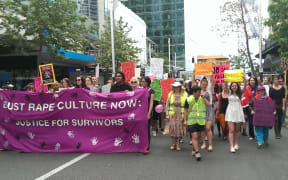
(147, 80)
(238, 91)
(256, 81)
(83, 85)
(122, 75)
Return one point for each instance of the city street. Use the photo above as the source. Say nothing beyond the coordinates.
(160, 164)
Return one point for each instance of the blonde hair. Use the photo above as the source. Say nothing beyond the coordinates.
(134, 78)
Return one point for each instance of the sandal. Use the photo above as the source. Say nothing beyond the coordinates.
(172, 147)
(178, 148)
(210, 148)
(203, 146)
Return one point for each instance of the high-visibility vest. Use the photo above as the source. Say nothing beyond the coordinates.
(171, 111)
(196, 111)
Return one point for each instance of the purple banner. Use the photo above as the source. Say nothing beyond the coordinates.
(264, 110)
(75, 120)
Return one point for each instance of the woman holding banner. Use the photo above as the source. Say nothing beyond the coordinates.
(174, 112)
(120, 84)
(134, 83)
(145, 83)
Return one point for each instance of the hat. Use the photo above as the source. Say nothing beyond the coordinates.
(176, 84)
(259, 88)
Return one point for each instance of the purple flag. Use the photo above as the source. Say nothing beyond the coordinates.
(75, 120)
(264, 110)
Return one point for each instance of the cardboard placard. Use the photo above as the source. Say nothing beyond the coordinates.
(166, 87)
(37, 85)
(219, 73)
(203, 69)
(47, 74)
(156, 67)
(156, 86)
(264, 113)
(235, 75)
(128, 68)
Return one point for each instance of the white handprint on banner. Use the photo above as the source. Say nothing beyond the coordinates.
(6, 120)
(56, 95)
(92, 94)
(70, 134)
(94, 141)
(2, 131)
(131, 116)
(57, 146)
(117, 142)
(135, 139)
(130, 93)
(30, 135)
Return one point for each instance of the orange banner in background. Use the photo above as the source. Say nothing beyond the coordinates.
(128, 68)
(203, 69)
(166, 87)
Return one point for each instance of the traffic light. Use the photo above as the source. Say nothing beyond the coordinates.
(193, 59)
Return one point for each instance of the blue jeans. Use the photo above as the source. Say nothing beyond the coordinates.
(261, 133)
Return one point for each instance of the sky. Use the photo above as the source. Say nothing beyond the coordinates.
(206, 15)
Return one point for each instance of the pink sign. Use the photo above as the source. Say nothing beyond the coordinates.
(75, 120)
(37, 85)
(264, 113)
(219, 73)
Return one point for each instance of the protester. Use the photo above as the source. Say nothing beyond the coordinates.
(95, 84)
(145, 83)
(222, 107)
(249, 93)
(55, 87)
(277, 93)
(195, 118)
(120, 84)
(266, 84)
(134, 83)
(29, 87)
(107, 87)
(261, 125)
(234, 115)
(65, 83)
(80, 82)
(174, 113)
(89, 83)
(210, 118)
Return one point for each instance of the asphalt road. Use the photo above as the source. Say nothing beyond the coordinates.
(249, 163)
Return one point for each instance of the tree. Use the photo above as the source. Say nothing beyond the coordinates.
(278, 21)
(43, 24)
(235, 21)
(125, 50)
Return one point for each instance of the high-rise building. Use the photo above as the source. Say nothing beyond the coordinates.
(164, 19)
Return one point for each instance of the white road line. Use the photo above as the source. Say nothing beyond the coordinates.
(60, 168)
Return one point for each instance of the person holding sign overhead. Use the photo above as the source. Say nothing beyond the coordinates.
(234, 115)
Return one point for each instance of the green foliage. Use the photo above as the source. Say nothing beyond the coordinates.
(123, 45)
(278, 21)
(37, 24)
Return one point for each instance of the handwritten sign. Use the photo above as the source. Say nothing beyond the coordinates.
(156, 65)
(47, 74)
(264, 113)
(156, 86)
(203, 69)
(166, 87)
(128, 68)
(219, 73)
(235, 75)
(37, 85)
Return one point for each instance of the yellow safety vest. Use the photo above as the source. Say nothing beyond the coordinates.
(196, 111)
(171, 111)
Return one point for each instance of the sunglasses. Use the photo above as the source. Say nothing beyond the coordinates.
(133, 82)
(78, 79)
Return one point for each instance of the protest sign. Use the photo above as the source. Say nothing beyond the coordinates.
(166, 87)
(156, 67)
(219, 73)
(147, 70)
(47, 74)
(137, 72)
(156, 86)
(264, 113)
(37, 85)
(128, 68)
(203, 69)
(235, 75)
(75, 120)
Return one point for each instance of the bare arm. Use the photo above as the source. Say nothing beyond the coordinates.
(185, 116)
(207, 103)
(245, 83)
(193, 78)
(151, 106)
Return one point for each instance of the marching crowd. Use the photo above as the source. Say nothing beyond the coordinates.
(194, 107)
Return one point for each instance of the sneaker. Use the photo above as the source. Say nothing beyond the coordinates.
(260, 146)
(181, 140)
(236, 147)
(146, 152)
(251, 138)
(190, 142)
(278, 137)
(154, 133)
(232, 150)
(198, 156)
(193, 153)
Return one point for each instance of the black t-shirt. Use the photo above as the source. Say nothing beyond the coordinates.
(122, 87)
(277, 95)
(151, 91)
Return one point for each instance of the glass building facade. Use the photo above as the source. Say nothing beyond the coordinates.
(164, 20)
(89, 8)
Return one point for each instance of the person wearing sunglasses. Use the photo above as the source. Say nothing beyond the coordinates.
(80, 82)
(120, 84)
(134, 83)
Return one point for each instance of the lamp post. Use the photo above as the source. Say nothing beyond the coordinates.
(112, 37)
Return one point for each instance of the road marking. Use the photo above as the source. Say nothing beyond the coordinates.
(60, 168)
